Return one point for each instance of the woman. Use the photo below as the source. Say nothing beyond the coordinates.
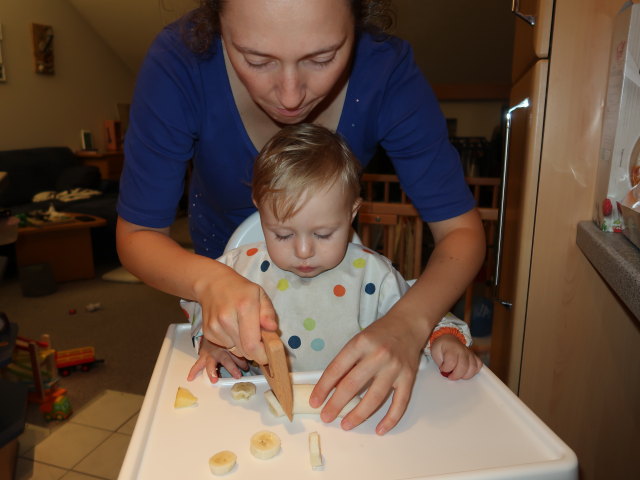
(214, 88)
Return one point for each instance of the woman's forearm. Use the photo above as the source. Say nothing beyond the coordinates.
(458, 254)
(154, 257)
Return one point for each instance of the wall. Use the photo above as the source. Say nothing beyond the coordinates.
(89, 80)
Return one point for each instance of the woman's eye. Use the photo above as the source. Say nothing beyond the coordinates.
(322, 61)
(257, 63)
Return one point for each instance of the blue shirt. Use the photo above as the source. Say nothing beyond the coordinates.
(183, 109)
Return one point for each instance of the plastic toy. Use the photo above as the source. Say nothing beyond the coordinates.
(83, 358)
(57, 407)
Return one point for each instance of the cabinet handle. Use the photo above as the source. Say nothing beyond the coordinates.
(515, 8)
(503, 198)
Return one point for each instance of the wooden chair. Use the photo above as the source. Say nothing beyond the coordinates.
(389, 223)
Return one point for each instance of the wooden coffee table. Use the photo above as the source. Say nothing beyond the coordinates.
(65, 246)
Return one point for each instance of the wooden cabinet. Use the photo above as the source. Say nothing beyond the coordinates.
(109, 163)
(532, 34)
(580, 346)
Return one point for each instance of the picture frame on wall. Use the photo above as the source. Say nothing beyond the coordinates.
(3, 75)
(42, 38)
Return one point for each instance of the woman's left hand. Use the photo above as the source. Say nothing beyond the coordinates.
(383, 357)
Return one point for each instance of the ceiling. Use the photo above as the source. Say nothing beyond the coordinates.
(129, 26)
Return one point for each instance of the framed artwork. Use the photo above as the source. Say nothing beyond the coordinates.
(86, 140)
(42, 36)
(3, 75)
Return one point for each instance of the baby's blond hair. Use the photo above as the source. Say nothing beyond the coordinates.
(299, 161)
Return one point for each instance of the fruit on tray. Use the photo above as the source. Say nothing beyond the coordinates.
(222, 462)
(315, 454)
(184, 398)
(264, 444)
(301, 394)
(243, 390)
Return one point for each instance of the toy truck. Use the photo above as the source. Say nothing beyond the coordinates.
(58, 407)
(82, 358)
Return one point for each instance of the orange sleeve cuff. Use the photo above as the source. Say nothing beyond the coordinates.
(447, 331)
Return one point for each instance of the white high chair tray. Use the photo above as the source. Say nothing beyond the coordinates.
(473, 429)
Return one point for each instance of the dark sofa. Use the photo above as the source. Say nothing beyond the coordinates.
(36, 170)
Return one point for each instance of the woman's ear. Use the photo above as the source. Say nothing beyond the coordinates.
(356, 206)
(254, 201)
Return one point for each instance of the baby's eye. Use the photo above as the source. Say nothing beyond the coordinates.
(323, 236)
(282, 237)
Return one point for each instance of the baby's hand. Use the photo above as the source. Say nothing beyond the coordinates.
(211, 356)
(454, 359)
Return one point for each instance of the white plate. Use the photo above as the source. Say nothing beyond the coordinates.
(474, 429)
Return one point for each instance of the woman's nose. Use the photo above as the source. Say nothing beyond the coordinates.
(291, 90)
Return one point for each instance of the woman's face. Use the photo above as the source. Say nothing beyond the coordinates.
(289, 54)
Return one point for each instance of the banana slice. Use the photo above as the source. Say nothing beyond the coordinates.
(184, 398)
(243, 390)
(264, 444)
(315, 454)
(222, 462)
(301, 394)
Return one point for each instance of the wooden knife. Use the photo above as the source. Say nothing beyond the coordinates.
(277, 371)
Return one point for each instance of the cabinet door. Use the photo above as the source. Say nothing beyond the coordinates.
(531, 42)
(522, 172)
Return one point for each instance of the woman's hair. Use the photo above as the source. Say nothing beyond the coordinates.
(203, 24)
(299, 161)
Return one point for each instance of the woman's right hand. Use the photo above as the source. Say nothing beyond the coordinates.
(234, 311)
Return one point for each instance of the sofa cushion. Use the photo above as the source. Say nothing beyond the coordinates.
(80, 176)
(30, 171)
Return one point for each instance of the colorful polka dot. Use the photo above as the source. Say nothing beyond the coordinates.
(309, 324)
(294, 341)
(283, 284)
(339, 291)
(251, 252)
(370, 288)
(264, 266)
(359, 263)
(317, 344)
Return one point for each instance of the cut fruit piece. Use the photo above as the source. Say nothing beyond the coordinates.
(184, 398)
(222, 462)
(264, 444)
(315, 453)
(301, 394)
(243, 390)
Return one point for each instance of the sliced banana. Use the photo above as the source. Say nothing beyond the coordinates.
(301, 394)
(243, 390)
(184, 398)
(315, 453)
(264, 444)
(222, 462)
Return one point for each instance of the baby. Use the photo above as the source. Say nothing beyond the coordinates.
(325, 289)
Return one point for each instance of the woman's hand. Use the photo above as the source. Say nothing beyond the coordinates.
(383, 357)
(234, 310)
(210, 356)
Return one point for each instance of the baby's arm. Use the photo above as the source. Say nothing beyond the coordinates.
(449, 347)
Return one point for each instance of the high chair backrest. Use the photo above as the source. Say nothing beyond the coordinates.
(250, 231)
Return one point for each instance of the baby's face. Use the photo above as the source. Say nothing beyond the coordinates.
(315, 239)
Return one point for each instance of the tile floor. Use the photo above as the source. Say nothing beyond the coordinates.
(90, 445)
